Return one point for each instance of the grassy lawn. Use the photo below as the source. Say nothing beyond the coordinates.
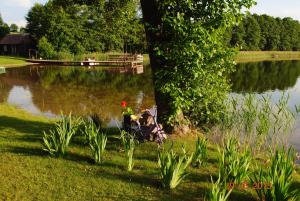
(252, 56)
(8, 61)
(28, 173)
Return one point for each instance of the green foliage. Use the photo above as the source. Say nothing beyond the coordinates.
(173, 167)
(129, 147)
(14, 28)
(258, 121)
(46, 49)
(57, 141)
(78, 27)
(4, 28)
(263, 32)
(276, 180)
(191, 62)
(219, 191)
(98, 144)
(96, 139)
(234, 162)
(200, 155)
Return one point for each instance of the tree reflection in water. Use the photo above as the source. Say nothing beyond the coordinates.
(78, 90)
(260, 77)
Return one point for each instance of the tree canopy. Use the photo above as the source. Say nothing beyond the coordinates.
(189, 59)
(263, 32)
(4, 28)
(78, 26)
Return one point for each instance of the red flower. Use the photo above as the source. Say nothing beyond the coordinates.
(123, 104)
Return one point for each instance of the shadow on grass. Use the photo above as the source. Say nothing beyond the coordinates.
(23, 126)
(26, 151)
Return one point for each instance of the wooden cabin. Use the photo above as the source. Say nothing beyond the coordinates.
(16, 45)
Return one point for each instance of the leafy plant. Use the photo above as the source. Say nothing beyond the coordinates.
(277, 179)
(200, 154)
(56, 142)
(173, 167)
(129, 146)
(98, 144)
(234, 164)
(218, 192)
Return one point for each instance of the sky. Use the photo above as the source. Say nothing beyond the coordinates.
(14, 11)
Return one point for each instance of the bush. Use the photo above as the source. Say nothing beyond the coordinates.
(46, 50)
(57, 141)
(173, 167)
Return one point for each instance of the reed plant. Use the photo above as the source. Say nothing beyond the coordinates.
(258, 121)
(219, 191)
(173, 167)
(234, 162)
(276, 180)
(129, 147)
(95, 138)
(57, 141)
(200, 155)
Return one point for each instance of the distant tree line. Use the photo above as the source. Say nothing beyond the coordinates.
(80, 26)
(263, 32)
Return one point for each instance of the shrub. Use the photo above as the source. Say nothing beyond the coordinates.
(56, 142)
(173, 167)
(46, 50)
(276, 181)
(200, 154)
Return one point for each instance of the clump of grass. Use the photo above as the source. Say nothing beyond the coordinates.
(218, 191)
(234, 164)
(200, 155)
(129, 147)
(276, 181)
(96, 139)
(257, 121)
(173, 167)
(57, 141)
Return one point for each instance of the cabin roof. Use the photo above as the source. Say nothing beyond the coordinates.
(16, 39)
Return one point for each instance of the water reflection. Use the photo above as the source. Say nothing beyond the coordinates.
(52, 90)
(271, 79)
(265, 76)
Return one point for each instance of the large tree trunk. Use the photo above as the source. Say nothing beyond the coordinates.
(152, 19)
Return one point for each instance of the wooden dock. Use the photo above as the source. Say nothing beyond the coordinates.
(127, 61)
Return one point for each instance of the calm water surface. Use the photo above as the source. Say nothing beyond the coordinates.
(51, 90)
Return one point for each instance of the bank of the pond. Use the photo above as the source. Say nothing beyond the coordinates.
(255, 56)
(8, 61)
(28, 173)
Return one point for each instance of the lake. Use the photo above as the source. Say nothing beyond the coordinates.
(48, 91)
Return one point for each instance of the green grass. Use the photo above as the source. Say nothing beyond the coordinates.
(7, 61)
(28, 173)
(253, 56)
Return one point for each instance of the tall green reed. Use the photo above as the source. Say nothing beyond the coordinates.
(234, 162)
(129, 147)
(276, 179)
(173, 167)
(57, 141)
(200, 155)
(96, 139)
